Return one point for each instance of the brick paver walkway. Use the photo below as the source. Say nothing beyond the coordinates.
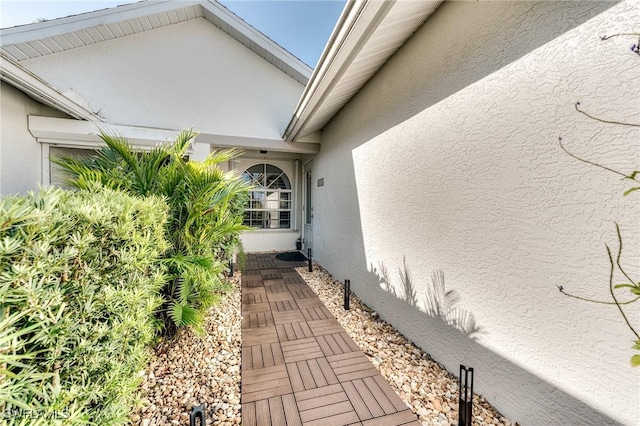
(299, 367)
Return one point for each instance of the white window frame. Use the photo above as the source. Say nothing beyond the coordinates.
(261, 188)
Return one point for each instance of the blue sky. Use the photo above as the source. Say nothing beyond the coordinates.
(300, 26)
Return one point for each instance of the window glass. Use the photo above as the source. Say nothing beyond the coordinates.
(269, 205)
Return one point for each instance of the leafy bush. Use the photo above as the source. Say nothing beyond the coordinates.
(79, 284)
(206, 207)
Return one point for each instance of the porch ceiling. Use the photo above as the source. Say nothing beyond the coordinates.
(44, 38)
(366, 36)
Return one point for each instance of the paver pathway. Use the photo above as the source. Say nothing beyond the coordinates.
(299, 366)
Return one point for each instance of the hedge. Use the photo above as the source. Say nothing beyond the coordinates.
(79, 284)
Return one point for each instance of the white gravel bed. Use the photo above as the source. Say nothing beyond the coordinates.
(192, 370)
(424, 385)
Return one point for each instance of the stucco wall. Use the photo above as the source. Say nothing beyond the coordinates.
(187, 74)
(448, 160)
(20, 153)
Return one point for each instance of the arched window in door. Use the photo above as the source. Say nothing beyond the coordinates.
(269, 205)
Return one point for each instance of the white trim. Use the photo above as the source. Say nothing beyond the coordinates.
(261, 188)
(275, 145)
(358, 21)
(54, 27)
(218, 15)
(84, 133)
(296, 193)
(46, 164)
(40, 90)
(349, 60)
(257, 37)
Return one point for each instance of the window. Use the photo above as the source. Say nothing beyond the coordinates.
(269, 205)
(56, 174)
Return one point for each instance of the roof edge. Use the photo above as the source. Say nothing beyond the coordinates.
(257, 36)
(356, 24)
(68, 132)
(49, 28)
(37, 88)
(244, 33)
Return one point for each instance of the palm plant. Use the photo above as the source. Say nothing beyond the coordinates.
(206, 207)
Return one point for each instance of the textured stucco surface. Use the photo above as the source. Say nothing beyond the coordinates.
(187, 74)
(20, 153)
(448, 159)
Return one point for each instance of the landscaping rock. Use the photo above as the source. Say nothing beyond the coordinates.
(427, 388)
(191, 370)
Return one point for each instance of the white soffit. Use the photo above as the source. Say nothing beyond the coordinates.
(368, 33)
(44, 38)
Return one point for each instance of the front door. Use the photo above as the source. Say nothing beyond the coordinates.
(308, 207)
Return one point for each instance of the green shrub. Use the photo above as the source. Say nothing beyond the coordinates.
(206, 207)
(79, 284)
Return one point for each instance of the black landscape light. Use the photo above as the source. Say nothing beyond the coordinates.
(197, 412)
(309, 257)
(465, 401)
(347, 293)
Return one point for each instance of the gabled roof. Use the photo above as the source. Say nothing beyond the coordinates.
(368, 33)
(44, 38)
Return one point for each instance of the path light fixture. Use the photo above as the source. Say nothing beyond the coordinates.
(347, 293)
(197, 412)
(465, 400)
(309, 257)
(232, 263)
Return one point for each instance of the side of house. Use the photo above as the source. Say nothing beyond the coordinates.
(447, 164)
(16, 143)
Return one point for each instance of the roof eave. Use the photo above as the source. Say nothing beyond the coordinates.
(212, 11)
(40, 90)
(359, 25)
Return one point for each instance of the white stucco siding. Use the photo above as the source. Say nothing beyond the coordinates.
(187, 74)
(20, 153)
(448, 159)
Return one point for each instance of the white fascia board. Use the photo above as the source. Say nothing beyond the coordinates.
(46, 29)
(257, 37)
(85, 133)
(40, 90)
(274, 145)
(54, 27)
(357, 23)
(67, 132)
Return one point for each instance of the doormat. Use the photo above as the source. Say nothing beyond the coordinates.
(291, 256)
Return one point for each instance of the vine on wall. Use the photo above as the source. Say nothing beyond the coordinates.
(629, 284)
